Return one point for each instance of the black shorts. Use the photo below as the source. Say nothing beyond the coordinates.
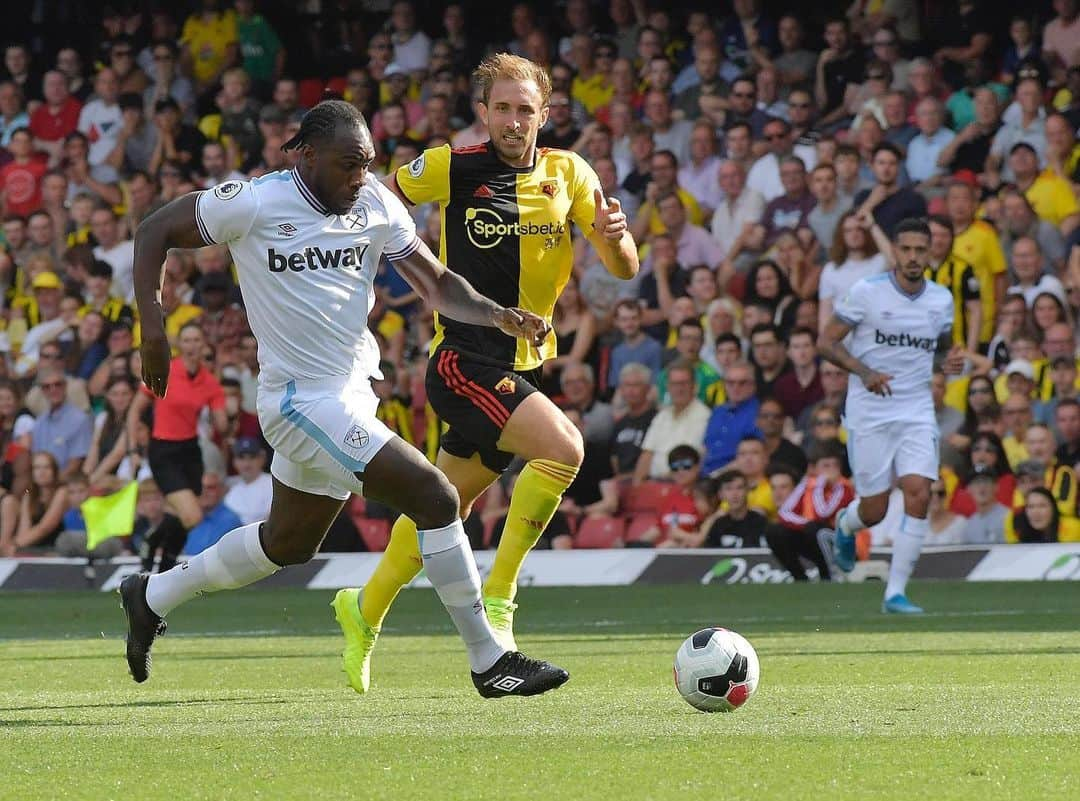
(476, 401)
(176, 465)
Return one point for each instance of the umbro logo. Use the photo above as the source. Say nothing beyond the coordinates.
(287, 230)
(508, 683)
(483, 191)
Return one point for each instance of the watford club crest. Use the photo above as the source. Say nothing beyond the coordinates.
(506, 386)
(549, 188)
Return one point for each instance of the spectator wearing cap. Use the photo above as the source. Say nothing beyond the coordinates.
(177, 142)
(1030, 128)
(223, 322)
(137, 139)
(976, 242)
(1018, 219)
(56, 117)
(63, 430)
(250, 493)
(986, 524)
(43, 303)
(166, 81)
(1050, 195)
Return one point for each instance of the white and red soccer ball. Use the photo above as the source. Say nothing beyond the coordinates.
(716, 670)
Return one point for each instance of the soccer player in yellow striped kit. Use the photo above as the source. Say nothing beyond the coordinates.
(506, 209)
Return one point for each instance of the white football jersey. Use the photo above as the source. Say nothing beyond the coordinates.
(897, 334)
(306, 274)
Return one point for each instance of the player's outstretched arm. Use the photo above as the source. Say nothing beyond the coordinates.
(612, 239)
(831, 347)
(172, 226)
(450, 294)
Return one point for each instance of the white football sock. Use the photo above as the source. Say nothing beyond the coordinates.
(236, 560)
(907, 544)
(451, 569)
(852, 523)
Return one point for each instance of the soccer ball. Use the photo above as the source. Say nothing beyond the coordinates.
(716, 670)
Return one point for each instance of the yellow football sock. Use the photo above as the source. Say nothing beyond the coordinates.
(399, 565)
(536, 498)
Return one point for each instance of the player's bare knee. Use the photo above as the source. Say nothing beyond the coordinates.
(872, 512)
(917, 500)
(439, 505)
(567, 446)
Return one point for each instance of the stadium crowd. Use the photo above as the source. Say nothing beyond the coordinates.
(750, 151)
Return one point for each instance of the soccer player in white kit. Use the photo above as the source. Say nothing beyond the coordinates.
(886, 332)
(307, 244)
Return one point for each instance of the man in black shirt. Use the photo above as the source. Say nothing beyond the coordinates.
(560, 132)
(888, 201)
(635, 381)
(739, 527)
(839, 65)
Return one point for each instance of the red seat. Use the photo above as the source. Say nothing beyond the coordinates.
(600, 532)
(646, 497)
(639, 524)
(374, 533)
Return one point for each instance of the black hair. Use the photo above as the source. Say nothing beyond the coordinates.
(1026, 532)
(912, 225)
(680, 452)
(887, 146)
(728, 476)
(321, 123)
(943, 221)
(727, 336)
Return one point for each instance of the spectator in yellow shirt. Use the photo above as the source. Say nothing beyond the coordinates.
(209, 43)
(1050, 195)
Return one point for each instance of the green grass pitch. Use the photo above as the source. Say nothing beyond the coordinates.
(978, 700)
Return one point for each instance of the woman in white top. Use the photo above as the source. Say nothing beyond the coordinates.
(854, 256)
(946, 528)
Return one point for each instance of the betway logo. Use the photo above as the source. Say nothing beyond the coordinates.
(904, 341)
(315, 258)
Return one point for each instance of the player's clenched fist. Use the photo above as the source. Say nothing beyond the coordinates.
(523, 324)
(155, 363)
(610, 220)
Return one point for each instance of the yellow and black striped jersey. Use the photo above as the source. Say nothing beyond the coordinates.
(507, 231)
(959, 278)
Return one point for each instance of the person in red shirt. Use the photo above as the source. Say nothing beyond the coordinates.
(810, 509)
(56, 117)
(174, 454)
(679, 515)
(20, 178)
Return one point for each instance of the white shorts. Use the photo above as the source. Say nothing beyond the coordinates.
(323, 433)
(880, 455)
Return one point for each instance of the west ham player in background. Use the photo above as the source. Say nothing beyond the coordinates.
(307, 243)
(898, 323)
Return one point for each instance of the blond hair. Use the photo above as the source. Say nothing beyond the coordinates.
(505, 66)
